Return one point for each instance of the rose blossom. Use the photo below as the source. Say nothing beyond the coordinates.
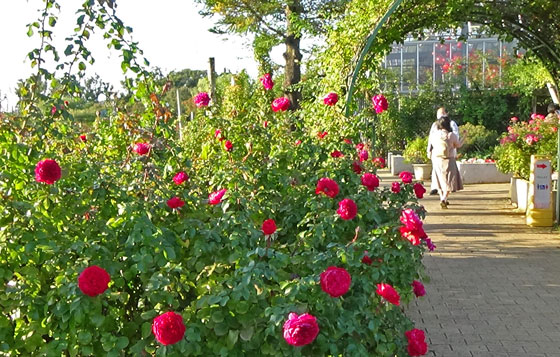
(141, 148)
(366, 259)
(379, 103)
(347, 209)
(514, 119)
(297, 142)
(265, 124)
(360, 146)
(431, 246)
(419, 190)
(228, 145)
(280, 104)
(356, 167)
(348, 141)
(416, 342)
(410, 219)
(330, 99)
(53, 110)
(168, 328)
(396, 187)
(335, 281)
(218, 135)
(300, 330)
(363, 155)
(266, 81)
(321, 135)
(412, 235)
(216, 197)
(418, 288)
(47, 171)
(379, 162)
(370, 181)
(406, 177)
(336, 153)
(202, 99)
(83, 138)
(269, 227)
(327, 186)
(93, 281)
(180, 177)
(175, 202)
(388, 293)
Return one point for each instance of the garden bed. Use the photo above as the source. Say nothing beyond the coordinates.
(481, 172)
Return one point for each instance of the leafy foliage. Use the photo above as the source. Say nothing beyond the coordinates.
(416, 151)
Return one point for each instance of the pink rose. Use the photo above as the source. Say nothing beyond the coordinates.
(396, 187)
(47, 171)
(330, 99)
(180, 177)
(336, 153)
(419, 190)
(216, 197)
(387, 292)
(406, 177)
(416, 342)
(335, 281)
(168, 328)
(93, 280)
(370, 181)
(379, 162)
(300, 330)
(175, 202)
(327, 186)
(347, 209)
(141, 148)
(363, 155)
(514, 119)
(53, 110)
(418, 288)
(360, 146)
(202, 99)
(281, 104)
(218, 135)
(431, 246)
(228, 145)
(266, 81)
(410, 219)
(379, 103)
(269, 227)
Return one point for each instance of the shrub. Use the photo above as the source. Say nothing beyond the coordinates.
(416, 151)
(477, 140)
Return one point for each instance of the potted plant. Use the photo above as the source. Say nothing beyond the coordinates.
(415, 153)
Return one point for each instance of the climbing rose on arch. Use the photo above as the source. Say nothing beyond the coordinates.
(216, 197)
(330, 99)
(300, 330)
(406, 177)
(141, 148)
(47, 171)
(266, 81)
(269, 226)
(370, 181)
(380, 103)
(168, 328)
(93, 280)
(416, 342)
(347, 209)
(335, 281)
(280, 104)
(387, 292)
(202, 99)
(327, 186)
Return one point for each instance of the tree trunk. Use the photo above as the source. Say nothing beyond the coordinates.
(292, 56)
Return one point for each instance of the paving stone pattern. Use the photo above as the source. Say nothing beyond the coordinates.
(495, 282)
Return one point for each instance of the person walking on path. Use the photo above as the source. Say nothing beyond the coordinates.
(441, 112)
(553, 113)
(444, 151)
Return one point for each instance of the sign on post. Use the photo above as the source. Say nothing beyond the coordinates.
(539, 209)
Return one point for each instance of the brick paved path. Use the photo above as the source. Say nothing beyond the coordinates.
(495, 283)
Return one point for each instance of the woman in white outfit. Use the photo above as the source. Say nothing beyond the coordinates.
(441, 112)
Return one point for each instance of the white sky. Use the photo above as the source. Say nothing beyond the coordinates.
(171, 32)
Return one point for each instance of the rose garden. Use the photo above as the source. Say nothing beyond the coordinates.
(259, 227)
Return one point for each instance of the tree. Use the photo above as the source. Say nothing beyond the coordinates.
(274, 22)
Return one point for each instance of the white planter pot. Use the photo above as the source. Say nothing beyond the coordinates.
(398, 165)
(422, 172)
(481, 173)
(522, 188)
(513, 190)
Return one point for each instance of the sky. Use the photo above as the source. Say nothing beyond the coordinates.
(171, 33)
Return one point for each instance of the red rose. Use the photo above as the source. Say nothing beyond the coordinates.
(360, 146)
(348, 141)
(47, 171)
(218, 135)
(141, 148)
(416, 342)
(265, 124)
(366, 259)
(280, 104)
(300, 330)
(266, 81)
(363, 155)
(335, 281)
(396, 187)
(356, 167)
(418, 288)
(202, 99)
(406, 177)
(180, 177)
(297, 142)
(410, 219)
(370, 181)
(330, 99)
(419, 190)
(336, 153)
(269, 227)
(321, 135)
(216, 197)
(175, 202)
(228, 145)
(379, 103)
(413, 236)
(388, 293)
(347, 209)
(83, 138)
(327, 186)
(93, 280)
(168, 328)
(379, 162)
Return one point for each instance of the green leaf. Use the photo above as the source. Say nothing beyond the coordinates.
(52, 21)
(84, 337)
(233, 335)
(122, 342)
(246, 333)
(82, 66)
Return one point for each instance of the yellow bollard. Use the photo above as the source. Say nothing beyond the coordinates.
(539, 202)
